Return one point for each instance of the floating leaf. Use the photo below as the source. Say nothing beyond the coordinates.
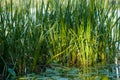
(11, 71)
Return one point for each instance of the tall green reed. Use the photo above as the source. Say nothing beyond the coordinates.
(16, 32)
(73, 33)
(97, 19)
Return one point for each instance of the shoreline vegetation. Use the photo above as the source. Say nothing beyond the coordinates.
(72, 33)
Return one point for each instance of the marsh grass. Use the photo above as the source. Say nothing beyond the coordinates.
(34, 34)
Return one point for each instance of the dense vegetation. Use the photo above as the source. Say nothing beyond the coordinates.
(74, 33)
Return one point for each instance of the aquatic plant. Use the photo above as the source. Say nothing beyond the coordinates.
(34, 34)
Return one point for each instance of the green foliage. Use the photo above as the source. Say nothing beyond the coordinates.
(70, 32)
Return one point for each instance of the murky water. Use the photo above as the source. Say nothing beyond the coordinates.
(106, 72)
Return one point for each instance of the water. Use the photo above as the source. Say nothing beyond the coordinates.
(106, 72)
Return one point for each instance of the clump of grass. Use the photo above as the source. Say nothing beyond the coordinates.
(72, 33)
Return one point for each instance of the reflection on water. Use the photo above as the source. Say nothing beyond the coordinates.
(106, 72)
